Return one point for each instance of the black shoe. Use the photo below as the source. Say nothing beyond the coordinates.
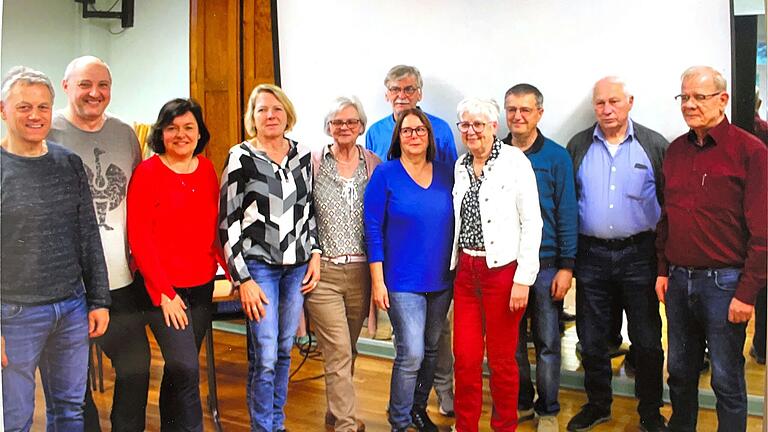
(566, 317)
(588, 418)
(654, 424)
(421, 420)
(753, 354)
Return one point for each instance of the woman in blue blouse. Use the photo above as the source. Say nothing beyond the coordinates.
(409, 231)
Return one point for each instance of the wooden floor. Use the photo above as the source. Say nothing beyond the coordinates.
(306, 396)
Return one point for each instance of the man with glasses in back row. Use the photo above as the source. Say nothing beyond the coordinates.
(711, 248)
(404, 91)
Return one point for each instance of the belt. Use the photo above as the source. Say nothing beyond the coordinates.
(474, 253)
(700, 272)
(619, 243)
(345, 259)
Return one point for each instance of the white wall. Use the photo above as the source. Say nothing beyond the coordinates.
(467, 48)
(149, 62)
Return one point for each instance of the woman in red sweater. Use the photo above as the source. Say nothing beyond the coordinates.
(172, 213)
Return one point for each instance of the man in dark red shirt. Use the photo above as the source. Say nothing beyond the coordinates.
(711, 249)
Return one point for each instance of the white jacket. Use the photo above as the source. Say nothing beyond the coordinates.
(509, 210)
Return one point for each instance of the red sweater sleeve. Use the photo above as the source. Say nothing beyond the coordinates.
(142, 217)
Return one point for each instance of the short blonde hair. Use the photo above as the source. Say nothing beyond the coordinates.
(277, 92)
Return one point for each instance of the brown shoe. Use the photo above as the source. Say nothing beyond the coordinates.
(330, 423)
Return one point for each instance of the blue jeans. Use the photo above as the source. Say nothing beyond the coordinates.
(53, 337)
(270, 342)
(180, 408)
(545, 330)
(697, 305)
(417, 321)
(605, 271)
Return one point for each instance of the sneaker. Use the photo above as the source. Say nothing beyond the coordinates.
(654, 424)
(548, 424)
(753, 354)
(588, 418)
(524, 415)
(421, 420)
(446, 412)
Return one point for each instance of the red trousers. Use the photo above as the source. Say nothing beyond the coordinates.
(483, 321)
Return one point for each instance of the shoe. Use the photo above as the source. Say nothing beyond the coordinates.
(445, 404)
(421, 420)
(753, 354)
(547, 424)
(566, 317)
(524, 415)
(654, 424)
(588, 418)
(330, 423)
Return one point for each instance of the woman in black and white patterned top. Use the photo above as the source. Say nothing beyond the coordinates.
(267, 227)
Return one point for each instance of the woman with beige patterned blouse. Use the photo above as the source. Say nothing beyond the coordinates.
(339, 303)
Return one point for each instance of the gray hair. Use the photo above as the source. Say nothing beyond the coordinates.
(615, 80)
(487, 108)
(339, 104)
(720, 83)
(526, 89)
(82, 61)
(401, 71)
(26, 75)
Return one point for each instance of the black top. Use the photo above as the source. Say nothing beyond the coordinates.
(50, 246)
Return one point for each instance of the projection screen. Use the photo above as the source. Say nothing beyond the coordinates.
(465, 48)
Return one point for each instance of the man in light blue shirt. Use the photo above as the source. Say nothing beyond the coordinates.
(404, 91)
(617, 163)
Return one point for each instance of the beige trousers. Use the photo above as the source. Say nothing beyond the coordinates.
(337, 308)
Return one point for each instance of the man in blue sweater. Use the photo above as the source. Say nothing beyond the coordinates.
(404, 91)
(523, 104)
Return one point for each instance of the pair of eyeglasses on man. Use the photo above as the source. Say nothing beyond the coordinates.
(476, 125)
(348, 123)
(683, 98)
(419, 130)
(524, 111)
(409, 91)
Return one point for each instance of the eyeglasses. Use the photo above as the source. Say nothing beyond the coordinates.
(476, 125)
(698, 98)
(407, 131)
(524, 111)
(409, 91)
(351, 123)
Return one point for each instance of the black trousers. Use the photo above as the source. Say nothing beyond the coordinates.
(125, 343)
(180, 407)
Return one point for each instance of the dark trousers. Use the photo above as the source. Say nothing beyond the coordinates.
(606, 271)
(125, 343)
(180, 408)
(758, 340)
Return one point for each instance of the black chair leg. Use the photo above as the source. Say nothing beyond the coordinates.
(100, 366)
(213, 399)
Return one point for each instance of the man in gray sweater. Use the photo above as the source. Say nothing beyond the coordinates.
(53, 279)
(110, 152)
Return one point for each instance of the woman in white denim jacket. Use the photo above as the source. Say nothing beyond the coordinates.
(496, 253)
